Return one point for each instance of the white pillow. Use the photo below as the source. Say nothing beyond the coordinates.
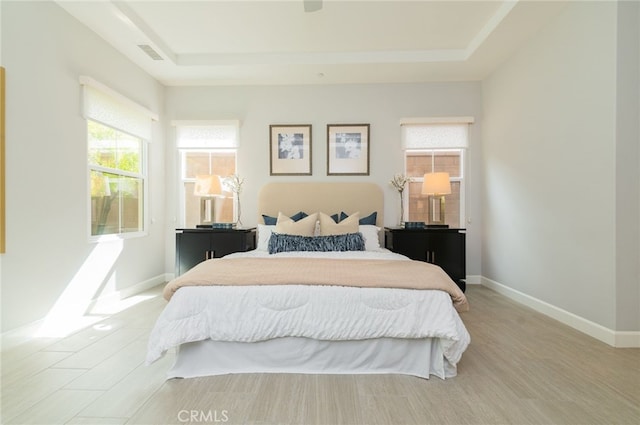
(303, 227)
(371, 235)
(329, 227)
(264, 234)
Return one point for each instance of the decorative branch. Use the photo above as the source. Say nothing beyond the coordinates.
(235, 183)
(399, 181)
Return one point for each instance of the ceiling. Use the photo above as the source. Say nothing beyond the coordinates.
(241, 42)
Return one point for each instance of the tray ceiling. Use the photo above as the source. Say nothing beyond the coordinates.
(276, 42)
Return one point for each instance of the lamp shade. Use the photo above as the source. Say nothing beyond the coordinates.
(436, 184)
(207, 185)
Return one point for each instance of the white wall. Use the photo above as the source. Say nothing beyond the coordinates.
(627, 167)
(381, 105)
(44, 51)
(549, 158)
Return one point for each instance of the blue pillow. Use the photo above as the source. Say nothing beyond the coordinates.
(287, 243)
(271, 221)
(298, 216)
(370, 219)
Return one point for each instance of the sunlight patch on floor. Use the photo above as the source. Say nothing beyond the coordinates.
(109, 307)
(69, 312)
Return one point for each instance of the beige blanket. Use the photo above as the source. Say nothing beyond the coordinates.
(320, 271)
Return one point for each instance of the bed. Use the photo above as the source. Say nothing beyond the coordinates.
(292, 311)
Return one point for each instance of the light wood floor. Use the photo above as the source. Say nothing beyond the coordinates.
(521, 368)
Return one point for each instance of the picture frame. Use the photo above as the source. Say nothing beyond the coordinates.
(348, 149)
(290, 149)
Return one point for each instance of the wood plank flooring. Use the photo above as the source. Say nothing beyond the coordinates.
(521, 368)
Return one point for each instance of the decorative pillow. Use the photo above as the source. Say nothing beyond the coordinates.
(303, 227)
(330, 227)
(299, 216)
(371, 235)
(370, 219)
(263, 235)
(288, 243)
(271, 221)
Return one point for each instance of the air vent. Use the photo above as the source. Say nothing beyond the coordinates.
(150, 52)
(312, 5)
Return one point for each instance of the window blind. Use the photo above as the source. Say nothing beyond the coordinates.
(443, 133)
(207, 134)
(108, 107)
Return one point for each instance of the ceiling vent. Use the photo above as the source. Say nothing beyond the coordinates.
(312, 5)
(151, 52)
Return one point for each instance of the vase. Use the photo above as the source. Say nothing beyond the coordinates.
(239, 211)
(401, 218)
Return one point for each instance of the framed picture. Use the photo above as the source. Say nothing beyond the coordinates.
(290, 150)
(348, 149)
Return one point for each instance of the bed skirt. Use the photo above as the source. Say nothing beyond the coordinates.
(416, 357)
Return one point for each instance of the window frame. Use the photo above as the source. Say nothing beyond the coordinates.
(461, 179)
(182, 179)
(143, 175)
(210, 143)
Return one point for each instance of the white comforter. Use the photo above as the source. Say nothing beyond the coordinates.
(258, 313)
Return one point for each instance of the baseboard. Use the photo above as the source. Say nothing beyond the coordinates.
(473, 279)
(627, 339)
(15, 337)
(614, 338)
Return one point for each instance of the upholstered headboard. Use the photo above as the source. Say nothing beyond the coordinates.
(330, 198)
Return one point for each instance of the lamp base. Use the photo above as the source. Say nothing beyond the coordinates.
(436, 212)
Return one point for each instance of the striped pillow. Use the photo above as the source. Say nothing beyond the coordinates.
(287, 243)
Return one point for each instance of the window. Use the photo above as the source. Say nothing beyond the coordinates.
(419, 163)
(117, 181)
(117, 134)
(206, 149)
(435, 146)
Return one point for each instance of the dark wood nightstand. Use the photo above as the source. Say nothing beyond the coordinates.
(443, 247)
(194, 246)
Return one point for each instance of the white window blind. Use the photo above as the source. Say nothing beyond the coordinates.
(108, 107)
(207, 134)
(443, 133)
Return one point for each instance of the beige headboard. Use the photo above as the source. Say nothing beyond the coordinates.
(329, 198)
